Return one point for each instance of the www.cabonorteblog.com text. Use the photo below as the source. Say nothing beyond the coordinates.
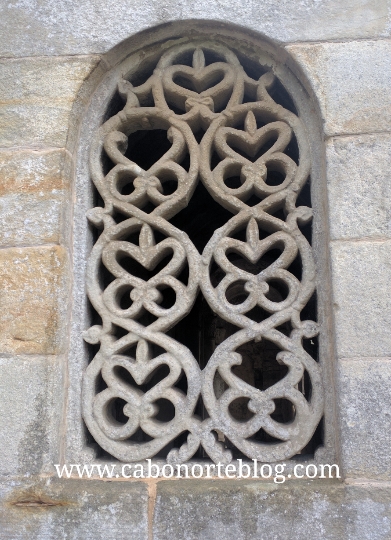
(275, 471)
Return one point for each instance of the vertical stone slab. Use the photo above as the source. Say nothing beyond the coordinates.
(359, 187)
(31, 400)
(361, 275)
(365, 413)
(34, 192)
(34, 300)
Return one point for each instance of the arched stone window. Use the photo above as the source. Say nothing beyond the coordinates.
(201, 275)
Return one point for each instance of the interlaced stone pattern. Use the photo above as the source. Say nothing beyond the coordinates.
(237, 129)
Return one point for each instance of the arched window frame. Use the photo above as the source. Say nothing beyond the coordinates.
(77, 445)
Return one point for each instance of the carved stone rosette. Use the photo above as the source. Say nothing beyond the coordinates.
(239, 117)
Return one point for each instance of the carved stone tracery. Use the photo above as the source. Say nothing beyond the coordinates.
(249, 132)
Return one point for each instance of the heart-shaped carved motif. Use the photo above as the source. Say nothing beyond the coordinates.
(139, 407)
(198, 82)
(129, 182)
(256, 285)
(143, 367)
(251, 140)
(181, 82)
(144, 294)
(234, 145)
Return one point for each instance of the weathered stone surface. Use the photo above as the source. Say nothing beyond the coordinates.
(358, 172)
(33, 300)
(36, 98)
(33, 196)
(241, 510)
(30, 404)
(245, 126)
(43, 27)
(365, 415)
(352, 83)
(361, 275)
(81, 509)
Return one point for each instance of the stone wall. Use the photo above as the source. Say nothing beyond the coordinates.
(52, 57)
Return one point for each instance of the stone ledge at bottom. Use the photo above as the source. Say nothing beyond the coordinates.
(195, 510)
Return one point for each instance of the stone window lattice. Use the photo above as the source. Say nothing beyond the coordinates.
(202, 273)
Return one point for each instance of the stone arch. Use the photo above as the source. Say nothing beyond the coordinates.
(121, 63)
